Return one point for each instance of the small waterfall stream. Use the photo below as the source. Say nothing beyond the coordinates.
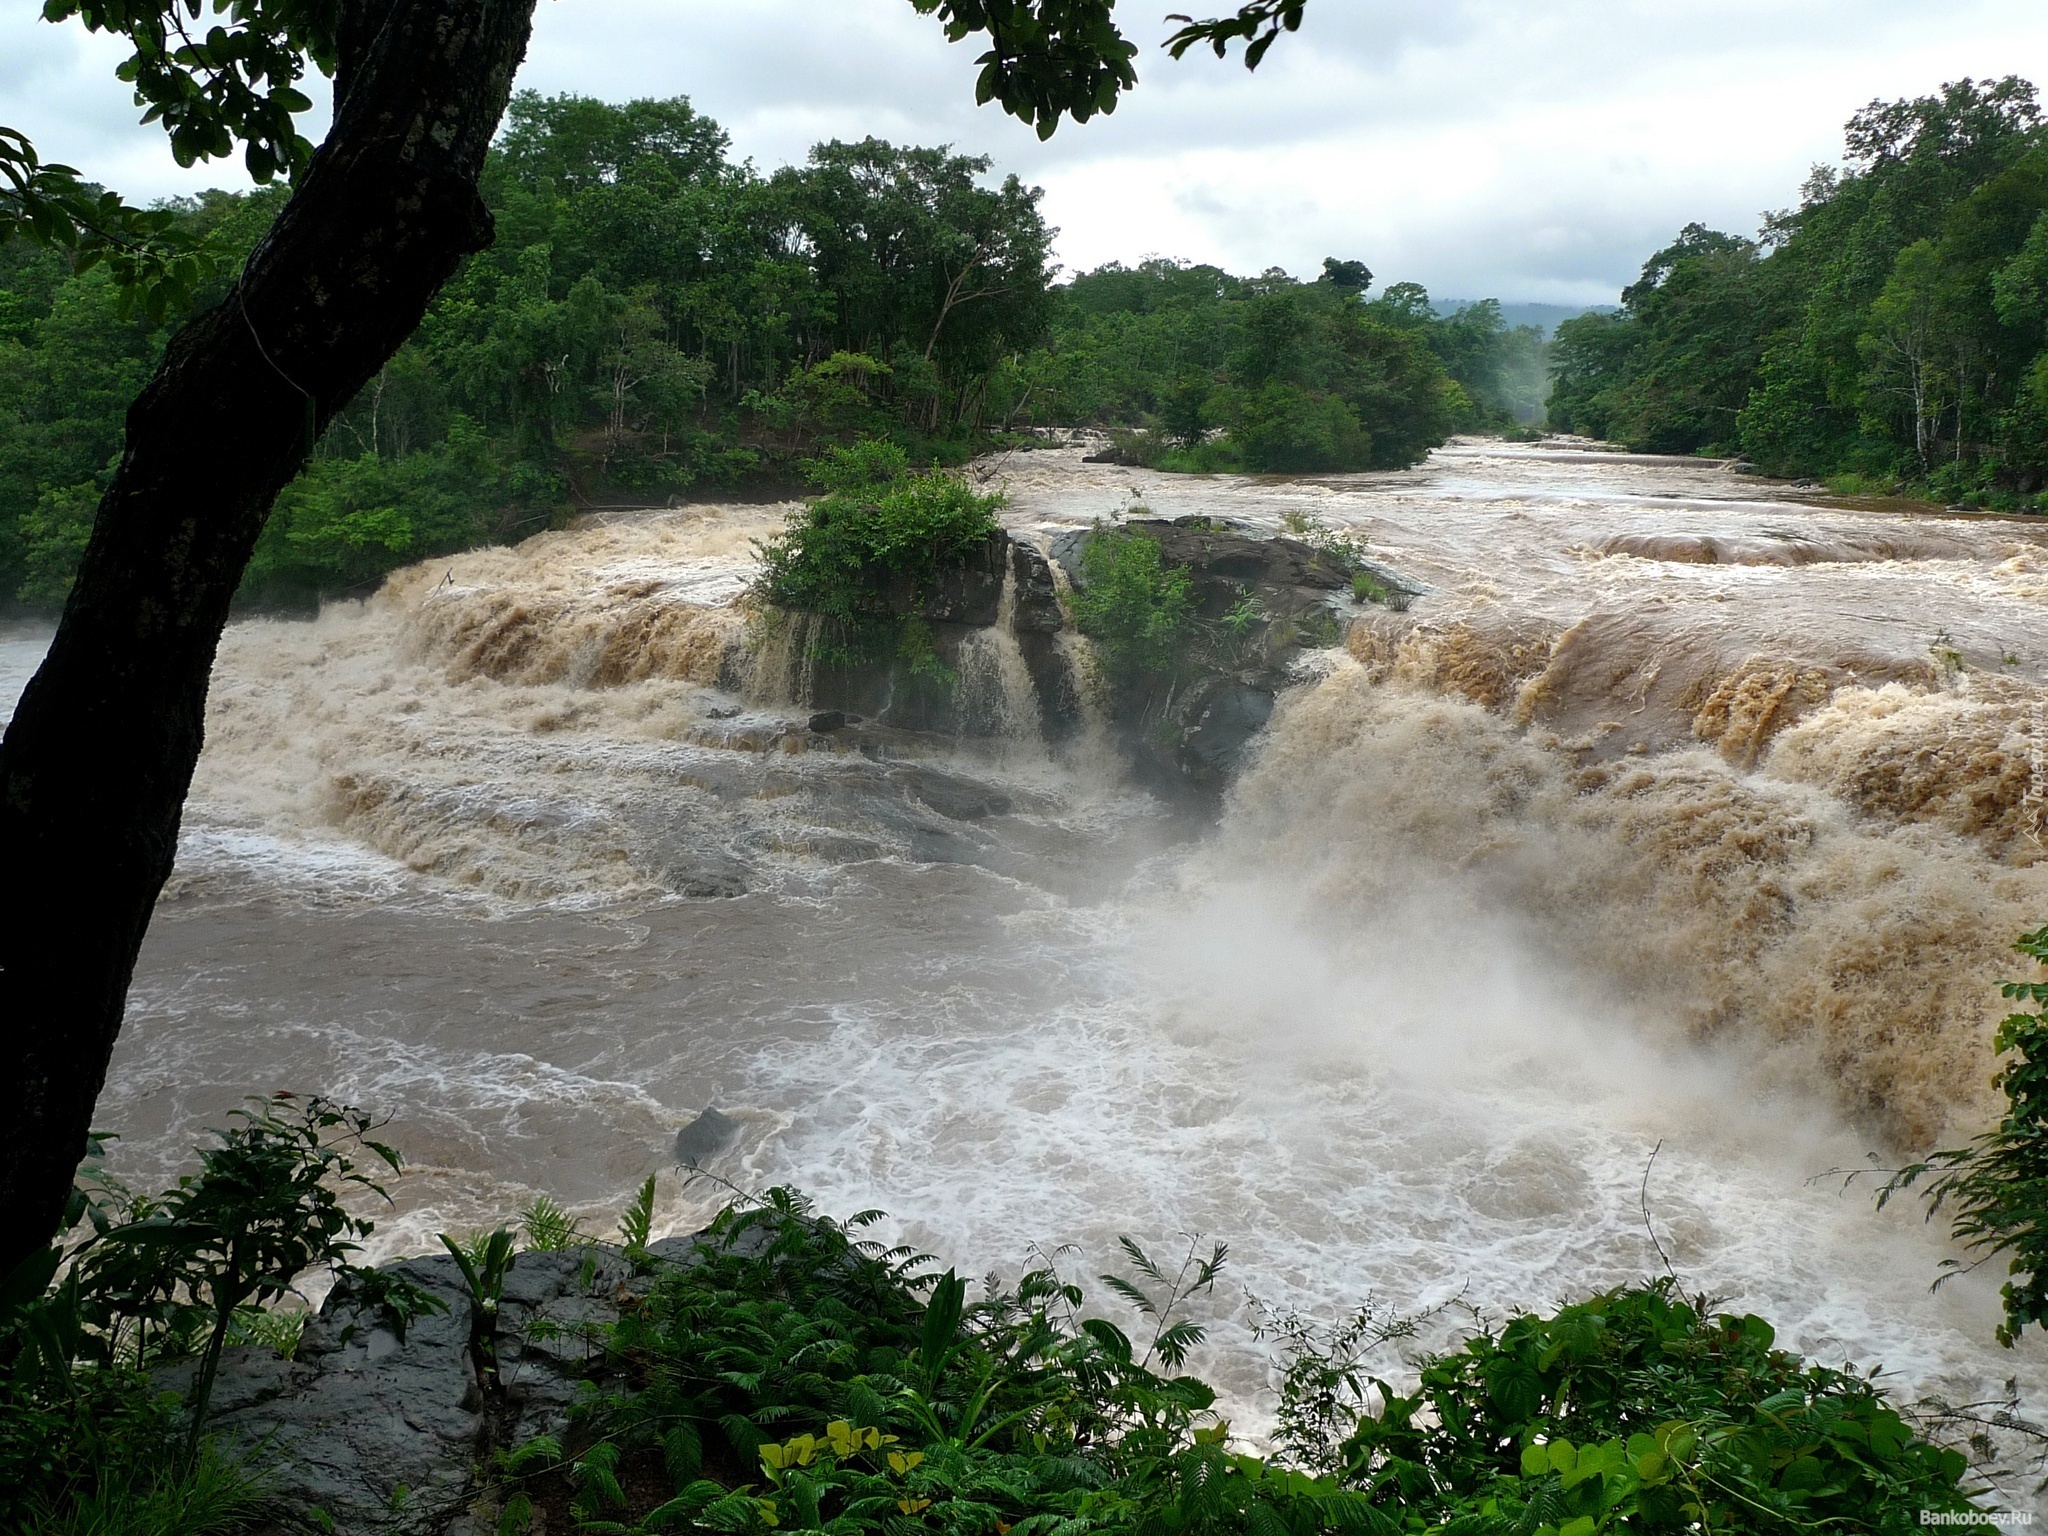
(997, 695)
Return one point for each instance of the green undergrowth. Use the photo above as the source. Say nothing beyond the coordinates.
(862, 557)
(1995, 1190)
(1137, 609)
(90, 1440)
(803, 1378)
(800, 1377)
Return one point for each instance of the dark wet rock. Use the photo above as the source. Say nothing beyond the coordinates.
(1187, 732)
(1219, 718)
(969, 593)
(951, 795)
(1223, 560)
(829, 720)
(731, 713)
(1036, 609)
(705, 1137)
(390, 1437)
(1063, 549)
(965, 602)
(693, 870)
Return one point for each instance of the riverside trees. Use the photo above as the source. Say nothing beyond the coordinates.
(652, 317)
(98, 758)
(1894, 326)
(1294, 376)
(655, 319)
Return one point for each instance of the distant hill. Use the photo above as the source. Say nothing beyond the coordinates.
(1548, 317)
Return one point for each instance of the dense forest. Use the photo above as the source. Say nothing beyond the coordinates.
(1891, 332)
(656, 320)
(1270, 374)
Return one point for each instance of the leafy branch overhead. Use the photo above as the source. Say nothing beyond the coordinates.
(156, 264)
(1054, 57)
(221, 73)
(1257, 25)
(212, 84)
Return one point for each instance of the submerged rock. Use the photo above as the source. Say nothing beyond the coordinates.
(705, 1137)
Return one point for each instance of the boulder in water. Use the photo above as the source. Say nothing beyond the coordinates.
(705, 1137)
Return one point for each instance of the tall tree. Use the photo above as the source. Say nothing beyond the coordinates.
(96, 763)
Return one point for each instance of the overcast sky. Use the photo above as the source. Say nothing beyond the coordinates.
(1522, 149)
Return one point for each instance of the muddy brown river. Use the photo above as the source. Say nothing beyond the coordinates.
(1680, 811)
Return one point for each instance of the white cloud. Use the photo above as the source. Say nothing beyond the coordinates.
(1534, 151)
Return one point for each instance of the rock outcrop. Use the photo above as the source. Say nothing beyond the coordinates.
(997, 618)
(391, 1437)
(1188, 732)
(956, 686)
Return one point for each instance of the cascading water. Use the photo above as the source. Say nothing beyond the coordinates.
(997, 696)
(1603, 845)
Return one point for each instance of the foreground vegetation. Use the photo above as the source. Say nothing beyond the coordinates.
(655, 320)
(802, 1378)
(823, 1384)
(1889, 332)
(799, 1377)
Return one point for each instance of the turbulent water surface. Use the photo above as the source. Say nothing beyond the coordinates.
(1672, 815)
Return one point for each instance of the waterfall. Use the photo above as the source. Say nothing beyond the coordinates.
(997, 696)
(784, 660)
(1093, 747)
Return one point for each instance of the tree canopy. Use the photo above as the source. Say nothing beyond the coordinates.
(1891, 329)
(656, 319)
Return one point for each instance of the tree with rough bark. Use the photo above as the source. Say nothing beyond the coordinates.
(95, 766)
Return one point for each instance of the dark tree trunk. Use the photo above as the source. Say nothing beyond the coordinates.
(94, 768)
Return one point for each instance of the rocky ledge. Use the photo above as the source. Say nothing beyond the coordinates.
(1186, 732)
(391, 1437)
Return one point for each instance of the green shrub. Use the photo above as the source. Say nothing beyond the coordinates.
(1135, 607)
(1638, 1410)
(87, 1443)
(53, 540)
(1279, 428)
(217, 1494)
(1998, 1185)
(802, 1378)
(345, 522)
(871, 549)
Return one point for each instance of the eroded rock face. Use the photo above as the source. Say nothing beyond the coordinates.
(1226, 563)
(1186, 733)
(391, 1437)
(951, 693)
(1191, 733)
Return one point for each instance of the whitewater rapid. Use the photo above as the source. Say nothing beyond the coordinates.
(1665, 820)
